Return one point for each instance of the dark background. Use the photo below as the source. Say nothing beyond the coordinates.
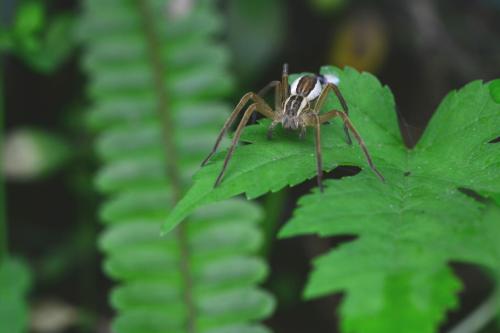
(420, 49)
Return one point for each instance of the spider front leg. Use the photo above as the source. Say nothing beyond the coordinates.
(239, 107)
(347, 122)
(322, 99)
(265, 110)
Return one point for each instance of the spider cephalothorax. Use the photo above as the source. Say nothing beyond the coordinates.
(296, 107)
(303, 91)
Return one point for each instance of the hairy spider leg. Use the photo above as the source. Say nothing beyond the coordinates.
(322, 99)
(347, 122)
(277, 92)
(239, 107)
(282, 94)
(277, 97)
(284, 84)
(265, 110)
(319, 158)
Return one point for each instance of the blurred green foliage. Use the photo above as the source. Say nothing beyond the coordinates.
(256, 33)
(42, 42)
(327, 5)
(28, 153)
(14, 285)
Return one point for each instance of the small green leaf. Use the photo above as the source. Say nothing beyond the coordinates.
(55, 45)
(15, 282)
(30, 18)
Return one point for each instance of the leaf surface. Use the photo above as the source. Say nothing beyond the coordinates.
(269, 165)
(412, 226)
(408, 229)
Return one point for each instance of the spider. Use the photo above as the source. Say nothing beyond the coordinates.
(296, 107)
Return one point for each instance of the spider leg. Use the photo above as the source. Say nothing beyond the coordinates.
(277, 97)
(347, 122)
(317, 143)
(280, 95)
(322, 99)
(248, 113)
(248, 96)
(277, 91)
(284, 84)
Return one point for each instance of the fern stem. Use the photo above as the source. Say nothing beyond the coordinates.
(3, 218)
(173, 171)
(480, 317)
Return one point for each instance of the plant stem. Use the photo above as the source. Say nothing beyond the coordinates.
(273, 206)
(480, 317)
(3, 215)
(171, 154)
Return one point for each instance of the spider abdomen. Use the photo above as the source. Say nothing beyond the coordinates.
(307, 86)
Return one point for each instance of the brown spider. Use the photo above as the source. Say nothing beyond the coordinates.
(293, 110)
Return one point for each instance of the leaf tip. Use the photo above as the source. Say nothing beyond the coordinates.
(285, 232)
(494, 88)
(169, 225)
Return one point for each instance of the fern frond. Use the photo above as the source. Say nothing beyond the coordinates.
(156, 84)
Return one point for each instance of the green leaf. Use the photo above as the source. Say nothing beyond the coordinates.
(43, 44)
(55, 45)
(30, 19)
(409, 228)
(264, 165)
(14, 284)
